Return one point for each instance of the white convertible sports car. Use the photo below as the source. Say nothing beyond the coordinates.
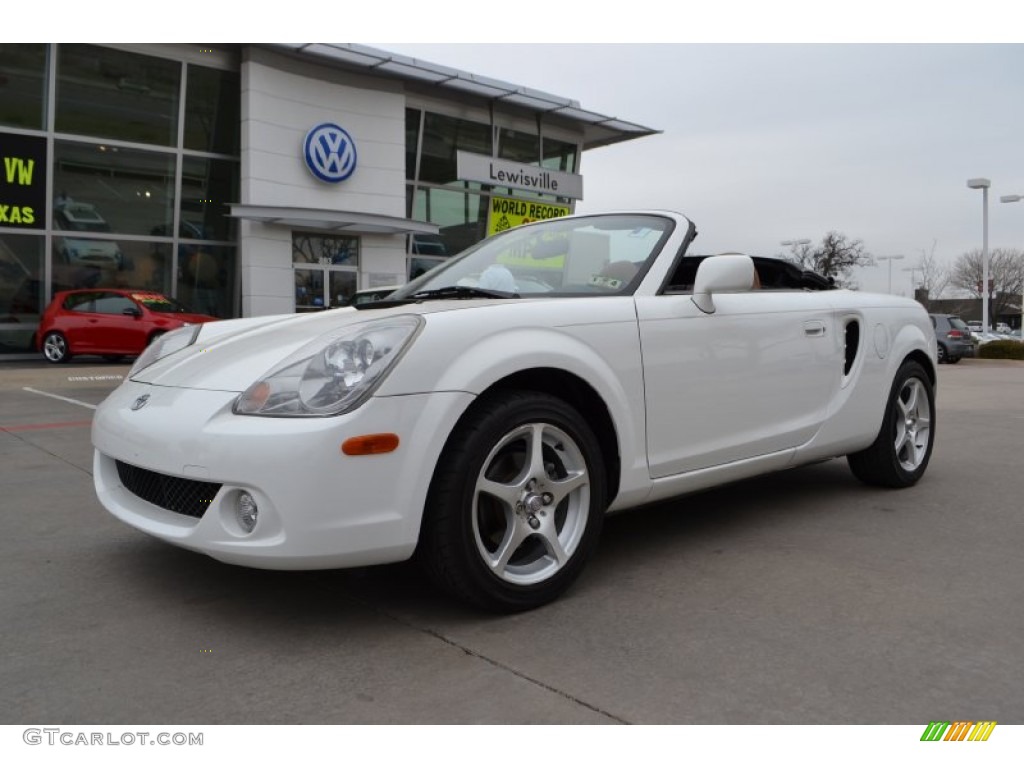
(486, 416)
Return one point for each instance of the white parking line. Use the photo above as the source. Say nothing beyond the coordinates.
(96, 378)
(59, 397)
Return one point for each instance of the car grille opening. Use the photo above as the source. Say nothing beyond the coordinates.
(177, 494)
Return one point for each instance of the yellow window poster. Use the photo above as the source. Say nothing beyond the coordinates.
(508, 212)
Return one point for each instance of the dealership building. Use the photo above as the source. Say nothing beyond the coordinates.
(258, 179)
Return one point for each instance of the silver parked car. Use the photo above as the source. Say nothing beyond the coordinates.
(953, 338)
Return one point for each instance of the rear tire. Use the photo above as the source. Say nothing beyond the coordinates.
(55, 348)
(900, 453)
(516, 504)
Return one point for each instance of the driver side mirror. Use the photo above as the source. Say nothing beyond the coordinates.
(133, 311)
(728, 273)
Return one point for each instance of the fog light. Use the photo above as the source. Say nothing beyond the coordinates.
(246, 512)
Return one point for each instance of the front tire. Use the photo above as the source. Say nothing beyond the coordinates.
(517, 502)
(900, 453)
(55, 348)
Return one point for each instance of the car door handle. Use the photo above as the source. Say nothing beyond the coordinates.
(814, 328)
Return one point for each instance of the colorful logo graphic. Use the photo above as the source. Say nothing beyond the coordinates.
(330, 153)
(961, 730)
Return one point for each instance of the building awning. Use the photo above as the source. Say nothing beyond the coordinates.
(598, 130)
(318, 219)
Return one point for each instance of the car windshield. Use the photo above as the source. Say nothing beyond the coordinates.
(578, 256)
(156, 302)
(957, 323)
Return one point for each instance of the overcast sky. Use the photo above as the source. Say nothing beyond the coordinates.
(869, 125)
(769, 142)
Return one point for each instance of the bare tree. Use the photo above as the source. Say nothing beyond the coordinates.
(835, 257)
(1005, 275)
(934, 277)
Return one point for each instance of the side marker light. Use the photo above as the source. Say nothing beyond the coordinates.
(365, 445)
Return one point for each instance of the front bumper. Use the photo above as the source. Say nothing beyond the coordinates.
(318, 508)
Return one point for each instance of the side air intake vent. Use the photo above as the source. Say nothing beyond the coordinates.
(852, 344)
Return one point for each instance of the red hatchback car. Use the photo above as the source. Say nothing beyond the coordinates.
(108, 322)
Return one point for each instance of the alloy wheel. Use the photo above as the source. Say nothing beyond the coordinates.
(531, 504)
(913, 425)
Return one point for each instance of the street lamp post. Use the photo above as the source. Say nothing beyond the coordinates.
(1017, 199)
(913, 284)
(803, 241)
(890, 259)
(983, 185)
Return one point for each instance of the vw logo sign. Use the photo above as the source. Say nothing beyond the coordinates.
(140, 403)
(330, 153)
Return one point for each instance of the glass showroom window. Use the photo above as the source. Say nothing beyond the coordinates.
(559, 155)
(106, 198)
(112, 189)
(23, 84)
(207, 262)
(21, 291)
(518, 146)
(117, 95)
(461, 216)
(326, 270)
(412, 142)
(94, 262)
(207, 186)
(442, 138)
(212, 110)
(206, 278)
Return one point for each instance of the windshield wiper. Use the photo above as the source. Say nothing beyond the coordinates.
(461, 292)
(448, 292)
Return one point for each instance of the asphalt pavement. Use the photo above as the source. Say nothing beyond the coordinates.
(802, 597)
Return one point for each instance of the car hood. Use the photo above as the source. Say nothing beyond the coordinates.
(230, 355)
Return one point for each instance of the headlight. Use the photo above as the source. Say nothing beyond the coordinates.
(334, 373)
(165, 345)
